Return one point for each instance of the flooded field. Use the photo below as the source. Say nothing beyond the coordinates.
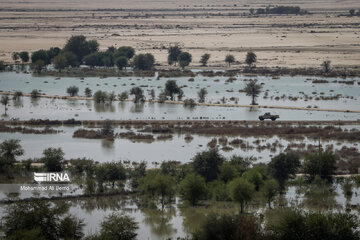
(180, 221)
(177, 147)
(297, 91)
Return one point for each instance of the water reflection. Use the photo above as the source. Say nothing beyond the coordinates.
(104, 107)
(159, 221)
(137, 108)
(18, 103)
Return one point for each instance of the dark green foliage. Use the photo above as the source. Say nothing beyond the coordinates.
(53, 159)
(71, 59)
(252, 89)
(121, 62)
(326, 66)
(202, 94)
(80, 46)
(100, 96)
(219, 191)
(40, 55)
(189, 102)
(38, 65)
(40, 220)
(254, 176)
(110, 172)
(144, 61)
(228, 172)
(204, 59)
(137, 173)
(60, 62)
(229, 59)
(270, 189)
(5, 101)
(230, 227)
(296, 225)
(241, 191)
(35, 93)
(123, 96)
(117, 227)
(72, 91)
(24, 56)
(88, 92)
(322, 164)
(283, 166)
(9, 150)
(193, 188)
(107, 128)
(184, 59)
(171, 88)
(281, 10)
(207, 164)
(139, 94)
(251, 58)
(173, 54)
(124, 51)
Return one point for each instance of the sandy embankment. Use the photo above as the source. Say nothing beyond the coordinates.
(198, 104)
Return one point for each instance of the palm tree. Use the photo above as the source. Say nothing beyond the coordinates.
(5, 101)
(252, 89)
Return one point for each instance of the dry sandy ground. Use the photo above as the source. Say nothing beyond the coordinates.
(215, 27)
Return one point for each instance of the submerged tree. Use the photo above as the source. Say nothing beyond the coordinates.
(193, 188)
(139, 94)
(241, 191)
(5, 101)
(53, 159)
(252, 89)
(171, 88)
(88, 92)
(322, 164)
(72, 91)
(202, 94)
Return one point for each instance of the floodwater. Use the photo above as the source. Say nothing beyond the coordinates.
(60, 109)
(286, 86)
(179, 220)
(177, 148)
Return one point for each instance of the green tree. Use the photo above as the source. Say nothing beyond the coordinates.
(207, 164)
(228, 172)
(326, 66)
(184, 59)
(34, 93)
(72, 91)
(171, 88)
(94, 59)
(193, 188)
(322, 164)
(5, 100)
(241, 191)
(80, 46)
(230, 227)
(202, 94)
(283, 166)
(24, 56)
(252, 89)
(107, 128)
(251, 58)
(121, 62)
(270, 189)
(39, 65)
(352, 12)
(60, 62)
(118, 227)
(71, 59)
(229, 59)
(114, 171)
(254, 176)
(204, 59)
(100, 96)
(123, 96)
(9, 150)
(40, 55)
(40, 220)
(53, 159)
(17, 95)
(173, 54)
(15, 56)
(88, 92)
(144, 61)
(139, 94)
(125, 51)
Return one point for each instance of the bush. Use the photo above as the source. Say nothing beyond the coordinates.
(72, 91)
(100, 96)
(189, 102)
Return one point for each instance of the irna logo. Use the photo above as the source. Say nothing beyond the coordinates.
(51, 177)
